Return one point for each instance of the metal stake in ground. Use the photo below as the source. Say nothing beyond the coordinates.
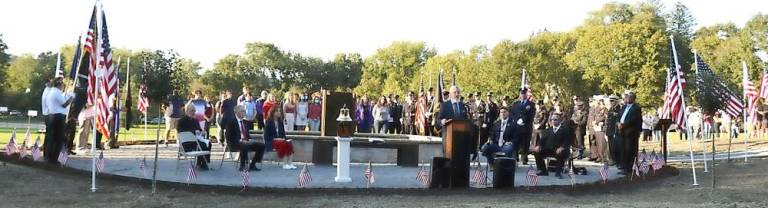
(154, 167)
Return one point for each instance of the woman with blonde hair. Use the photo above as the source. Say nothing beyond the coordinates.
(289, 109)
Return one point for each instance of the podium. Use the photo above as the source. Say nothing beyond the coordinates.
(457, 145)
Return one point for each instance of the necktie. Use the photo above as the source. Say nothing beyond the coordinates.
(243, 132)
(501, 134)
(456, 109)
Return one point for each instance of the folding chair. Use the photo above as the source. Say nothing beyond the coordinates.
(183, 155)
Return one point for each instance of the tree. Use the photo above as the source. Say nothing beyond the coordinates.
(390, 69)
(5, 58)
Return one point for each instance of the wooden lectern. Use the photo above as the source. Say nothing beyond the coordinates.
(457, 145)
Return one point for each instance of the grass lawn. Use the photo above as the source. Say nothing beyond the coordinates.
(136, 133)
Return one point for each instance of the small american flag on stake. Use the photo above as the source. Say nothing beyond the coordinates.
(604, 172)
(100, 162)
(246, 176)
(531, 178)
(142, 165)
(10, 148)
(479, 176)
(191, 173)
(36, 154)
(23, 150)
(644, 167)
(635, 168)
(572, 176)
(63, 156)
(370, 178)
(304, 177)
(422, 176)
(658, 163)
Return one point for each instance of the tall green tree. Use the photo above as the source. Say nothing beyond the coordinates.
(5, 58)
(391, 69)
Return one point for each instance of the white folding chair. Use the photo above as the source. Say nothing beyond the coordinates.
(183, 155)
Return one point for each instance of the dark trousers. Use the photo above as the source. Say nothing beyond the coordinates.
(489, 150)
(54, 140)
(260, 121)
(629, 152)
(202, 161)
(544, 153)
(395, 127)
(616, 148)
(523, 145)
(579, 131)
(256, 147)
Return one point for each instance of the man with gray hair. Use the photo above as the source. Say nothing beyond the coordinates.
(629, 125)
(453, 108)
(238, 138)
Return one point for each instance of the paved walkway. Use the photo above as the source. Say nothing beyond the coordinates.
(125, 162)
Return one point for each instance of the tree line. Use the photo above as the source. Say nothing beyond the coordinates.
(618, 47)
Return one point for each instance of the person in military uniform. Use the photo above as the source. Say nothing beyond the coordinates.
(540, 121)
(396, 114)
(522, 112)
(476, 114)
(597, 125)
(409, 115)
(609, 127)
(490, 116)
(579, 119)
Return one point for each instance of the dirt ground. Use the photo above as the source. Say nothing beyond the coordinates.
(738, 185)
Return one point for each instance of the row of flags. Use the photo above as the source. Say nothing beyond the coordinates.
(11, 147)
(645, 162)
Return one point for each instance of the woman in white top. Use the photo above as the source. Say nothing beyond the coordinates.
(381, 116)
(289, 108)
(302, 109)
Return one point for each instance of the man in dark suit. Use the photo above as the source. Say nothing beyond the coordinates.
(556, 142)
(409, 115)
(501, 139)
(522, 113)
(629, 127)
(396, 112)
(453, 108)
(238, 138)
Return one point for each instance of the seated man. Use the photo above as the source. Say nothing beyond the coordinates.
(238, 138)
(501, 138)
(555, 142)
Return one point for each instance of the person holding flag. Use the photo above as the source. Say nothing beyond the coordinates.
(522, 113)
(57, 102)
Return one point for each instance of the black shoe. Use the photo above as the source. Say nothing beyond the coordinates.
(204, 168)
(542, 173)
(71, 152)
(254, 168)
(242, 168)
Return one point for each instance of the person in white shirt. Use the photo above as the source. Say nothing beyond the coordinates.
(57, 102)
(44, 110)
(381, 116)
(86, 120)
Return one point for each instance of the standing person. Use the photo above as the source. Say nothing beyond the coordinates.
(45, 111)
(381, 116)
(210, 117)
(246, 92)
(647, 125)
(490, 116)
(250, 111)
(452, 108)
(409, 115)
(555, 143)
(289, 108)
(611, 120)
(522, 112)
(630, 124)
(172, 108)
(199, 103)
(421, 118)
(314, 113)
(190, 125)
(540, 120)
(269, 104)
(86, 121)
(260, 109)
(362, 112)
(274, 138)
(302, 109)
(57, 102)
(396, 114)
(579, 119)
(598, 149)
(239, 139)
(501, 139)
(227, 111)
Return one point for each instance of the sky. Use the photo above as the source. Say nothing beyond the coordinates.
(208, 30)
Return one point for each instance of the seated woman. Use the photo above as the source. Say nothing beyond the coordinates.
(189, 127)
(274, 138)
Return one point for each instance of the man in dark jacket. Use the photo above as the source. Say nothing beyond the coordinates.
(630, 124)
(522, 112)
(579, 118)
(238, 138)
(555, 142)
(501, 139)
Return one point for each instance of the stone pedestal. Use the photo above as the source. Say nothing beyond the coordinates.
(342, 167)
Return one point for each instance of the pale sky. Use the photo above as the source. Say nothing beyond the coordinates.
(208, 30)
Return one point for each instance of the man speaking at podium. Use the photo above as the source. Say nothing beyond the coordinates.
(453, 108)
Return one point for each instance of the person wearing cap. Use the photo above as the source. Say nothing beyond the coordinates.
(579, 119)
(491, 114)
(409, 115)
(477, 114)
(396, 115)
(611, 117)
(522, 113)
(630, 124)
(540, 120)
(56, 102)
(596, 124)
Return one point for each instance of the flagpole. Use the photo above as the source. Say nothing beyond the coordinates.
(749, 107)
(682, 99)
(58, 65)
(127, 82)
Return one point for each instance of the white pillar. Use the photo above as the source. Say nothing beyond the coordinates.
(342, 167)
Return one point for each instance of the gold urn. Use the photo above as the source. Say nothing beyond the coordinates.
(345, 126)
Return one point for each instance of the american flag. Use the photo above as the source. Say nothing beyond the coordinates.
(572, 175)
(304, 177)
(673, 107)
(23, 149)
(36, 154)
(246, 176)
(100, 162)
(107, 82)
(531, 178)
(143, 102)
(370, 178)
(750, 92)
(191, 173)
(90, 52)
(604, 172)
(644, 166)
(479, 176)
(733, 104)
(658, 162)
(10, 148)
(635, 168)
(422, 176)
(63, 156)
(142, 165)
(764, 86)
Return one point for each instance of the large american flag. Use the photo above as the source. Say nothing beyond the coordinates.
(370, 178)
(764, 86)
(304, 177)
(733, 104)
(107, 82)
(531, 178)
(90, 52)
(10, 148)
(750, 92)
(143, 102)
(673, 94)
